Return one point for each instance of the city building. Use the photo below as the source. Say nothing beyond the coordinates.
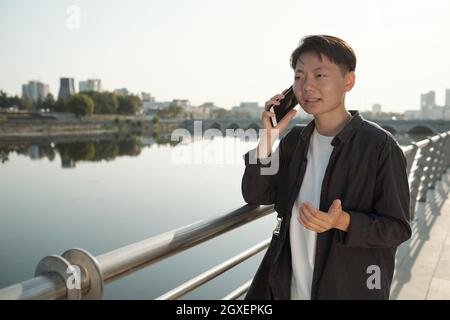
(251, 108)
(66, 88)
(150, 106)
(183, 103)
(209, 105)
(198, 113)
(376, 109)
(412, 114)
(430, 110)
(146, 96)
(34, 91)
(90, 85)
(122, 92)
(447, 97)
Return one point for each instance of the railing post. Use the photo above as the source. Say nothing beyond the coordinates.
(443, 155)
(427, 165)
(447, 154)
(417, 170)
(411, 161)
(410, 157)
(435, 160)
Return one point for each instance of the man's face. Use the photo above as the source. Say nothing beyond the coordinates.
(319, 85)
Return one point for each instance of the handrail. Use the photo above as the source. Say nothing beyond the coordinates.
(120, 262)
(214, 272)
(238, 292)
(429, 158)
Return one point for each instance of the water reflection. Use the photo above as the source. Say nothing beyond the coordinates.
(72, 150)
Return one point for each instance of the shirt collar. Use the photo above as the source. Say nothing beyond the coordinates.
(344, 135)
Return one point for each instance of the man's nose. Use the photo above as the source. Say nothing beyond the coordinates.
(307, 85)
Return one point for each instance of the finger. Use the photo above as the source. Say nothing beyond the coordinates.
(335, 206)
(310, 225)
(271, 103)
(275, 99)
(316, 213)
(268, 114)
(278, 97)
(275, 102)
(286, 119)
(309, 216)
(310, 207)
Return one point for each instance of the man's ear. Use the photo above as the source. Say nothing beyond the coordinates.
(350, 78)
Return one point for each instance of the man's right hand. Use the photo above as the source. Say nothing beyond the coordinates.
(267, 122)
(272, 133)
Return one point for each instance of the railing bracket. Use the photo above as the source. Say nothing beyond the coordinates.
(89, 263)
(60, 266)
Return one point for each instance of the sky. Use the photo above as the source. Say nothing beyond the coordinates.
(224, 52)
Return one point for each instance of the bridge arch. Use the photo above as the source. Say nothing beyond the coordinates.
(215, 125)
(421, 129)
(254, 126)
(233, 126)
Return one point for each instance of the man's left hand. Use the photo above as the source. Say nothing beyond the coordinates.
(319, 221)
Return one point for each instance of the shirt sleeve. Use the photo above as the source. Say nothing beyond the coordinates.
(259, 183)
(388, 225)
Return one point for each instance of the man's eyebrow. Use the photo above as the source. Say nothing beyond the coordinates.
(318, 68)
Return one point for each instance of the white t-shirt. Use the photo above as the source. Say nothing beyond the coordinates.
(303, 240)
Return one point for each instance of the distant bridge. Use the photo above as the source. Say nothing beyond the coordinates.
(394, 126)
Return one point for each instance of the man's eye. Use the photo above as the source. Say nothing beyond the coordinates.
(320, 75)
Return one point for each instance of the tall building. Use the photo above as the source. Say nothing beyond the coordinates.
(66, 88)
(376, 109)
(122, 92)
(148, 103)
(146, 96)
(34, 91)
(427, 103)
(447, 97)
(90, 85)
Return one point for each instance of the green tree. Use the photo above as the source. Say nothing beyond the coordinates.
(80, 104)
(171, 112)
(60, 105)
(22, 104)
(49, 102)
(105, 102)
(129, 105)
(4, 100)
(38, 105)
(221, 113)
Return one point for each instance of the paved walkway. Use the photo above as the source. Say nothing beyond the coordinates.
(423, 262)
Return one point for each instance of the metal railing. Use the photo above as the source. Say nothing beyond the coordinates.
(427, 161)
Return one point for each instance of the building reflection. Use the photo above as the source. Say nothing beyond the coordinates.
(71, 152)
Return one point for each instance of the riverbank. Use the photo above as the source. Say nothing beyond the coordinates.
(29, 125)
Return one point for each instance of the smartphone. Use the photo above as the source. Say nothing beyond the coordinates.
(288, 103)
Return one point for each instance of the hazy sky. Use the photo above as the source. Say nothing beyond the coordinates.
(225, 51)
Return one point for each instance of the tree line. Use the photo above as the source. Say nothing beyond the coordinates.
(85, 103)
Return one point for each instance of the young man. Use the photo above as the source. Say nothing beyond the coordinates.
(341, 189)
